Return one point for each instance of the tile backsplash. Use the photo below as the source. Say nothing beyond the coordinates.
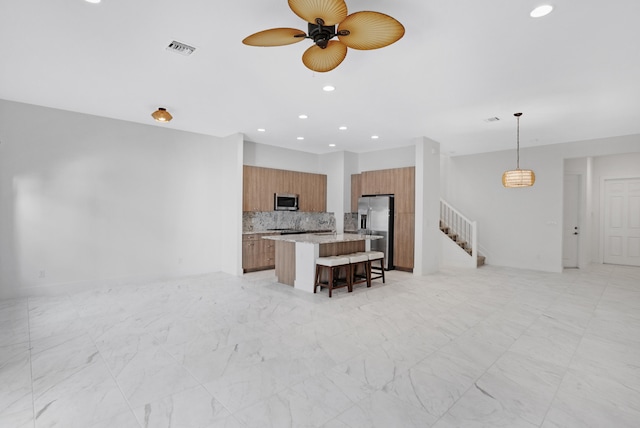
(350, 222)
(257, 221)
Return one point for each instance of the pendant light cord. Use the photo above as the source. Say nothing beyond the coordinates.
(518, 140)
(517, 115)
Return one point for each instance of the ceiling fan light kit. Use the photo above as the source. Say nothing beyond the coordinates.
(518, 177)
(361, 30)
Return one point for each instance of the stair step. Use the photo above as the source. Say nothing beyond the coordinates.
(481, 260)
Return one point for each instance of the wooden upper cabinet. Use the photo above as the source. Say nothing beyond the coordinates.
(312, 189)
(260, 184)
(380, 182)
(405, 189)
(356, 191)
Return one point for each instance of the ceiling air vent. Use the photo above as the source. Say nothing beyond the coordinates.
(492, 119)
(180, 48)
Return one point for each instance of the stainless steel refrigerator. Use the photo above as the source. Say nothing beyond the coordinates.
(375, 217)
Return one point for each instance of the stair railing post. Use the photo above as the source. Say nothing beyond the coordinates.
(474, 240)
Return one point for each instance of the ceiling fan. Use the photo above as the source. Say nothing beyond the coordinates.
(360, 30)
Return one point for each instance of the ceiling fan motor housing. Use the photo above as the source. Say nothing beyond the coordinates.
(321, 34)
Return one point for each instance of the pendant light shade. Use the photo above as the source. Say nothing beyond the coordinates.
(518, 177)
(161, 115)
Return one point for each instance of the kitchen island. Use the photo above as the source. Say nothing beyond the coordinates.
(296, 254)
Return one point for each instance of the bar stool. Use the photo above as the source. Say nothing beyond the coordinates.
(331, 266)
(376, 256)
(357, 260)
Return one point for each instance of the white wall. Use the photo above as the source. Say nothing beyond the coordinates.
(386, 159)
(333, 165)
(266, 156)
(608, 167)
(522, 228)
(86, 200)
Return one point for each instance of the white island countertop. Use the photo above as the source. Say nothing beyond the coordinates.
(322, 238)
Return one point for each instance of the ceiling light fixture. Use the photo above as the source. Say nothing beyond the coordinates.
(327, 20)
(332, 145)
(262, 130)
(374, 137)
(541, 11)
(162, 115)
(300, 138)
(518, 177)
(343, 128)
(303, 116)
(329, 88)
(93, 1)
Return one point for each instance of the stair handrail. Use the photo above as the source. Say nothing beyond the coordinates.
(459, 224)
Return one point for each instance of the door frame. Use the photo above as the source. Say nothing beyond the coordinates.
(580, 218)
(603, 181)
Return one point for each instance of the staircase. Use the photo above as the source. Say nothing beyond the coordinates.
(460, 230)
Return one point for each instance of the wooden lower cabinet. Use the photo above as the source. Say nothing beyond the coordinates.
(403, 245)
(257, 253)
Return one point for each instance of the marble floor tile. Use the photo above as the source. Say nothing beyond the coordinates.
(242, 389)
(282, 410)
(193, 408)
(381, 410)
(15, 379)
(523, 386)
(436, 383)
(21, 419)
(143, 384)
(84, 398)
(489, 347)
(477, 408)
(548, 340)
(572, 411)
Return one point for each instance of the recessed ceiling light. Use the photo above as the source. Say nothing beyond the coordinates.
(343, 128)
(541, 11)
(328, 88)
(303, 116)
(93, 1)
(374, 137)
(262, 130)
(332, 145)
(300, 138)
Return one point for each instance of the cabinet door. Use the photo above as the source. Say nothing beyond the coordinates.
(356, 191)
(403, 243)
(250, 255)
(380, 182)
(312, 189)
(404, 189)
(258, 186)
(268, 253)
(286, 182)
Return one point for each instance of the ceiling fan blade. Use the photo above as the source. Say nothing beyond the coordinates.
(323, 60)
(370, 30)
(275, 37)
(330, 11)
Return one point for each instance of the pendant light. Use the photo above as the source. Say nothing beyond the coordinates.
(518, 177)
(161, 115)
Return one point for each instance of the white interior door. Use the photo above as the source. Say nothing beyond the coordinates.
(621, 239)
(571, 221)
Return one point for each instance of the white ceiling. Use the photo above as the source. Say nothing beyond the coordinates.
(575, 74)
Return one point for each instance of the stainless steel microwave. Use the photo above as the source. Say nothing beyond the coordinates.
(285, 202)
